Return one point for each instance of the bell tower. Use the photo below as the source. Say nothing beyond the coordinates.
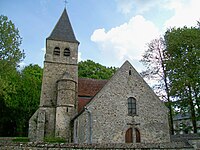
(59, 84)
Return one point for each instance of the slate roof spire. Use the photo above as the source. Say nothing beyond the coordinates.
(63, 30)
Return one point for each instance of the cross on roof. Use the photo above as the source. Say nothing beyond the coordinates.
(65, 1)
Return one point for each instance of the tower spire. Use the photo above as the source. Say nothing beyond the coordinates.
(63, 30)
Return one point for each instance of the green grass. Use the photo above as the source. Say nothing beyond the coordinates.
(54, 140)
(20, 139)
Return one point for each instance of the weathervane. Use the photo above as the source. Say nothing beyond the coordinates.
(65, 1)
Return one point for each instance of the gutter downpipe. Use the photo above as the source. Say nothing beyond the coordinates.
(89, 135)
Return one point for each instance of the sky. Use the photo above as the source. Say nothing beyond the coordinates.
(109, 31)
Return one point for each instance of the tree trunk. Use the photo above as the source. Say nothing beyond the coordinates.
(192, 110)
(167, 92)
(197, 101)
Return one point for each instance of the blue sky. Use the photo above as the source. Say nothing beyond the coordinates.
(109, 31)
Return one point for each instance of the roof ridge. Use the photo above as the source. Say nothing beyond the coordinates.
(82, 78)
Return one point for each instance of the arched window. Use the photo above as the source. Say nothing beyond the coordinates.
(56, 51)
(130, 72)
(66, 52)
(131, 106)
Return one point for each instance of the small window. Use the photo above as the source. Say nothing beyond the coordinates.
(66, 52)
(131, 106)
(130, 72)
(56, 51)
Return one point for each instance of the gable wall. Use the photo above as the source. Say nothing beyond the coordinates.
(109, 110)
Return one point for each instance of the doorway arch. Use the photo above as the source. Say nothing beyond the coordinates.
(129, 136)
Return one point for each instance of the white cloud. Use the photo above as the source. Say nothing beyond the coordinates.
(125, 42)
(171, 4)
(125, 6)
(138, 6)
(128, 41)
(79, 57)
(22, 64)
(186, 13)
(43, 49)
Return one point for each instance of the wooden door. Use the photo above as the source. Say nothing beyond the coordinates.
(129, 136)
(137, 132)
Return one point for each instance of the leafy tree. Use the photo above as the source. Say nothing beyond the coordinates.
(23, 98)
(19, 91)
(10, 42)
(28, 96)
(7, 114)
(10, 56)
(10, 53)
(183, 68)
(153, 59)
(90, 69)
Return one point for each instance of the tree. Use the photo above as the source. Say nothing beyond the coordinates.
(10, 42)
(153, 59)
(90, 69)
(22, 100)
(28, 96)
(183, 68)
(10, 56)
(7, 114)
(10, 53)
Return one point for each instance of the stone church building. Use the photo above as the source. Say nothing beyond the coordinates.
(123, 109)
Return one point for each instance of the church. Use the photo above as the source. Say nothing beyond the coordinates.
(123, 109)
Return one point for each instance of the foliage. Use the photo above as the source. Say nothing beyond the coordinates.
(10, 55)
(183, 68)
(20, 99)
(153, 59)
(90, 69)
(174, 62)
(19, 91)
(28, 95)
(10, 42)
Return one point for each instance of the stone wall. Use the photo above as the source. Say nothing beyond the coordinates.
(55, 100)
(52, 73)
(51, 44)
(109, 111)
(63, 146)
(191, 142)
(42, 124)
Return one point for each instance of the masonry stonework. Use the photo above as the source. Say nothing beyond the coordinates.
(59, 85)
(109, 111)
(105, 118)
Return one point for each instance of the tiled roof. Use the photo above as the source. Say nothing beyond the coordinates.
(89, 87)
(63, 30)
(82, 102)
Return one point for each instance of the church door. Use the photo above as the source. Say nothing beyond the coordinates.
(129, 136)
(138, 140)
